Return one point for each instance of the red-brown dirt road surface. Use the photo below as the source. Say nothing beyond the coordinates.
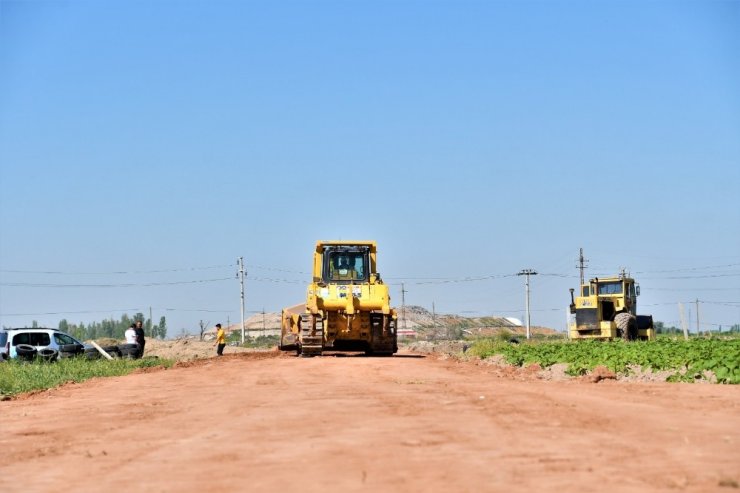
(266, 422)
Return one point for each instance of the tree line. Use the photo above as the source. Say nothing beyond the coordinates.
(114, 329)
(661, 328)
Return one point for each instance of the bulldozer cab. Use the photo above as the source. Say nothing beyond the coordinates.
(345, 264)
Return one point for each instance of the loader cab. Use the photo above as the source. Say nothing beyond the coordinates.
(346, 264)
(615, 294)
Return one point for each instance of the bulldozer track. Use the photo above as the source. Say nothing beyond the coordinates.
(312, 335)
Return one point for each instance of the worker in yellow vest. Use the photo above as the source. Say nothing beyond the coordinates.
(220, 340)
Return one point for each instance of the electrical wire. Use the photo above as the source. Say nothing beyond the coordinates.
(68, 273)
(126, 285)
(456, 280)
(687, 269)
(253, 266)
(70, 313)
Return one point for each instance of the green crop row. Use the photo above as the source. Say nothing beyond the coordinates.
(17, 376)
(689, 359)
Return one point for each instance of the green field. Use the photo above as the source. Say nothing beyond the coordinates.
(17, 376)
(689, 359)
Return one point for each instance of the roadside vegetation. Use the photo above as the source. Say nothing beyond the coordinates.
(690, 360)
(17, 376)
(253, 342)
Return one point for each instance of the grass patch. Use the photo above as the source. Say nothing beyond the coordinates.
(689, 359)
(259, 341)
(17, 376)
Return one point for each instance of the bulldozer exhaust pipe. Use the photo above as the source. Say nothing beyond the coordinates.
(572, 302)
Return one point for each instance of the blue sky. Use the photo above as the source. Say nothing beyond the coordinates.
(144, 144)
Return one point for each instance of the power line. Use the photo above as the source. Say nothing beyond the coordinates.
(70, 273)
(690, 289)
(192, 310)
(706, 276)
(138, 309)
(69, 313)
(458, 280)
(126, 285)
(270, 279)
(274, 269)
(686, 269)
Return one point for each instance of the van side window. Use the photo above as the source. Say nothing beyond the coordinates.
(63, 339)
(32, 338)
(23, 338)
(40, 339)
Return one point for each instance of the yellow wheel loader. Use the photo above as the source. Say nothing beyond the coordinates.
(347, 305)
(606, 309)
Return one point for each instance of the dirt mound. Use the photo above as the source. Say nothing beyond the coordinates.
(190, 349)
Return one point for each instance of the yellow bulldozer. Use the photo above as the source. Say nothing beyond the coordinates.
(606, 308)
(347, 305)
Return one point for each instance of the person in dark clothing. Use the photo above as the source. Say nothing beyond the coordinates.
(140, 339)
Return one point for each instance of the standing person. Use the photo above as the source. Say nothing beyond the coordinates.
(140, 339)
(220, 340)
(130, 334)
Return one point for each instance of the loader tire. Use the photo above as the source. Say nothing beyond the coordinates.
(627, 325)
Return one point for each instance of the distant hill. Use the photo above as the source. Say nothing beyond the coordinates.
(424, 323)
(418, 320)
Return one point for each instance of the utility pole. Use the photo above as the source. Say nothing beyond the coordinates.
(434, 322)
(684, 325)
(403, 306)
(527, 272)
(241, 274)
(698, 327)
(581, 266)
(263, 321)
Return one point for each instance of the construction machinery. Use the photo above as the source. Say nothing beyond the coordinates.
(347, 305)
(606, 308)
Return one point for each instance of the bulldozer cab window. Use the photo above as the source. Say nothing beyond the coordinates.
(347, 266)
(632, 291)
(610, 288)
(584, 290)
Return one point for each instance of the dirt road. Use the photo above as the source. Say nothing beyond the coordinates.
(263, 422)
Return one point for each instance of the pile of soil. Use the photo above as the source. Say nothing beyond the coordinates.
(181, 349)
(190, 348)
